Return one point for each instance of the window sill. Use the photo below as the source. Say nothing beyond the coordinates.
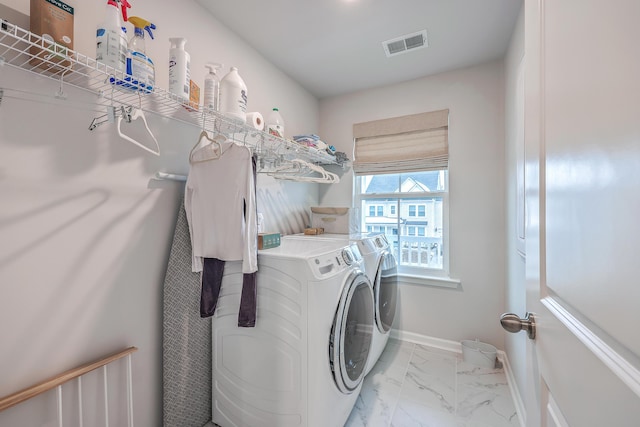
(440, 282)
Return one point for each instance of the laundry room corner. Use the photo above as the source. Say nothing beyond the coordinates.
(474, 97)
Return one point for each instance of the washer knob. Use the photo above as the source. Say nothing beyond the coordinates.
(347, 256)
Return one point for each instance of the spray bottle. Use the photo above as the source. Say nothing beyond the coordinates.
(111, 37)
(212, 88)
(140, 69)
(179, 69)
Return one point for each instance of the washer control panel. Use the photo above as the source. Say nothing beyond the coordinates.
(335, 261)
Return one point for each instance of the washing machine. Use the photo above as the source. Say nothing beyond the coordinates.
(304, 361)
(381, 268)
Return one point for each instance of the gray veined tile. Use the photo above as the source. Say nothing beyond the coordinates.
(358, 416)
(430, 380)
(473, 374)
(388, 379)
(492, 406)
(429, 390)
(412, 414)
(433, 364)
(395, 354)
(373, 408)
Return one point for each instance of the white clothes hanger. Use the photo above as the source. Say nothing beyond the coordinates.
(210, 150)
(300, 170)
(134, 114)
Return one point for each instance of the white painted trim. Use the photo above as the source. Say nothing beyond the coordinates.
(617, 363)
(555, 415)
(456, 347)
(438, 343)
(442, 282)
(515, 393)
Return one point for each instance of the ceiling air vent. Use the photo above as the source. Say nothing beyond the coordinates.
(405, 43)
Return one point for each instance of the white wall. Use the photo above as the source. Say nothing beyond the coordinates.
(86, 233)
(515, 301)
(474, 97)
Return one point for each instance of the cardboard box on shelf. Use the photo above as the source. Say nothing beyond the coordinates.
(53, 21)
(332, 220)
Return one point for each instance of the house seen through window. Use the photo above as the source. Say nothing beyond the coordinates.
(409, 209)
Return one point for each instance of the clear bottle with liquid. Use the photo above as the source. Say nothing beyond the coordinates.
(140, 69)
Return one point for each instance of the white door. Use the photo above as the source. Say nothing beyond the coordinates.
(582, 142)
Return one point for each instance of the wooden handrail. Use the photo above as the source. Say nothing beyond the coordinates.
(44, 386)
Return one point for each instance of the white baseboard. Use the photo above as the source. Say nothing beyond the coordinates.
(439, 343)
(456, 347)
(515, 393)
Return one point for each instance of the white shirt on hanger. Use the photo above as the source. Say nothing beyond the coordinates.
(215, 197)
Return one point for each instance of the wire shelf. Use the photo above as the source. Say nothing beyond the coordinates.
(27, 51)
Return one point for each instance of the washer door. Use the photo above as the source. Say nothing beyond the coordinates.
(385, 290)
(351, 333)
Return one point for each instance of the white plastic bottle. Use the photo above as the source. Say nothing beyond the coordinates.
(233, 96)
(179, 69)
(275, 124)
(212, 88)
(111, 37)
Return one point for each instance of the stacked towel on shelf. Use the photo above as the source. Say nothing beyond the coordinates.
(311, 140)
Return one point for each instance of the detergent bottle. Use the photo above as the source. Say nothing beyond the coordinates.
(179, 69)
(233, 96)
(111, 36)
(140, 69)
(275, 123)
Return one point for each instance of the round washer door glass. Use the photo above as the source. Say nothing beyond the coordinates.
(351, 333)
(386, 292)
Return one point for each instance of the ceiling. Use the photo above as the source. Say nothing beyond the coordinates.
(332, 47)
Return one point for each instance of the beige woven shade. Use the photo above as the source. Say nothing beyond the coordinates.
(411, 143)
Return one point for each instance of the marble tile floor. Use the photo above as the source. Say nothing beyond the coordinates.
(418, 386)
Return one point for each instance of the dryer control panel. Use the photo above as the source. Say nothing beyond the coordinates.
(331, 263)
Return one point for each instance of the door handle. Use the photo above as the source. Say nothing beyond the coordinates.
(513, 323)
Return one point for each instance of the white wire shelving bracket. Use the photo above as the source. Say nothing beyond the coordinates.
(22, 49)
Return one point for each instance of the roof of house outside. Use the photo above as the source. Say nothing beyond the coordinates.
(389, 183)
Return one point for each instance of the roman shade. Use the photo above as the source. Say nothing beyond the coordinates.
(417, 142)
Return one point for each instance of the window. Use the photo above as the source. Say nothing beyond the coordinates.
(402, 163)
(376, 210)
(416, 233)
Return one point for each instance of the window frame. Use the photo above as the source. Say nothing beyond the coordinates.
(424, 275)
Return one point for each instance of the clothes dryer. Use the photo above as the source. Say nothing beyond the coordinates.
(381, 268)
(304, 361)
